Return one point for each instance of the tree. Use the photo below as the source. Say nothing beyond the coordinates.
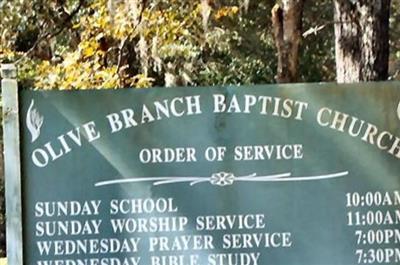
(287, 24)
(362, 40)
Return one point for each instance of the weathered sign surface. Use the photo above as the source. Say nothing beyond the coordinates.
(305, 174)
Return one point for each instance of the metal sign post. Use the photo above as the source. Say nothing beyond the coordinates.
(12, 165)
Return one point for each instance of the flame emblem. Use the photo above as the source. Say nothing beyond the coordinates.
(34, 121)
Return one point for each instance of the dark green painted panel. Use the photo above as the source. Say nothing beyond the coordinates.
(302, 203)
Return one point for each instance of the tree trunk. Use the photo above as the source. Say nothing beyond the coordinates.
(362, 40)
(287, 27)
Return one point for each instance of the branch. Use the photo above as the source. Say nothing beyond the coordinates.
(120, 53)
(48, 35)
(314, 30)
(68, 19)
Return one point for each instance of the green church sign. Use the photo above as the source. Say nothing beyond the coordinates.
(304, 174)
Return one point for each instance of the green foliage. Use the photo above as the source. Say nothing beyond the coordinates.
(317, 58)
(83, 44)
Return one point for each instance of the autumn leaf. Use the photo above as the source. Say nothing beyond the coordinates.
(226, 11)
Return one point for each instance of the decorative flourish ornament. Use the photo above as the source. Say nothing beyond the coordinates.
(34, 121)
(222, 179)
